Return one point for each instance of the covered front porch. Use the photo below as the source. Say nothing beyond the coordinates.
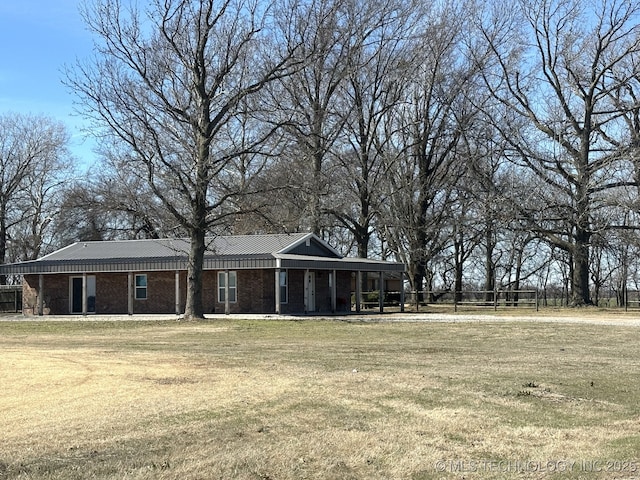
(345, 282)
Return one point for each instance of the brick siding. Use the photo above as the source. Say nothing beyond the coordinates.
(256, 293)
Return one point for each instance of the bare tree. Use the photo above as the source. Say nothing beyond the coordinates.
(486, 183)
(172, 83)
(378, 55)
(110, 202)
(34, 161)
(557, 65)
(308, 100)
(426, 132)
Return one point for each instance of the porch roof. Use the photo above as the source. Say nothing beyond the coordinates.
(298, 250)
(351, 264)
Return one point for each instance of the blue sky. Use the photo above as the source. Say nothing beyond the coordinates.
(37, 38)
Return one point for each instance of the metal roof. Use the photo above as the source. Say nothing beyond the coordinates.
(296, 250)
(168, 248)
(351, 264)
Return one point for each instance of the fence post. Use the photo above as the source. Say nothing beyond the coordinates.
(495, 300)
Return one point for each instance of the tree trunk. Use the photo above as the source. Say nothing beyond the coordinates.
(194, 307)
(418, 266)
(363, 252)
(580, 295)
(459, 263)
(3, 240)
(490, 278)
(3, 234)
(516, 282)
(622, 283)
(418, 281)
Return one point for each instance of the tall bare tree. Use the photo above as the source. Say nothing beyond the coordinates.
(34, 160)
(172, 83)
(381, 45)
(426, 130)
(308, 99)
(557, 65)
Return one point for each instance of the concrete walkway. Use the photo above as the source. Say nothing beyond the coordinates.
(590, 317)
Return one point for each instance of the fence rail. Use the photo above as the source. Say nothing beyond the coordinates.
(477, 299)
(631, 299)
(372, 299)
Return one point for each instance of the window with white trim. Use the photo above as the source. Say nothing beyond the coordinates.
(222, 286)
(284, 287)
(141, 287)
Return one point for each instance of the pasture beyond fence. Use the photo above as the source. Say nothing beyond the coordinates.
(487, 299)
(465, 299)
(631, 299)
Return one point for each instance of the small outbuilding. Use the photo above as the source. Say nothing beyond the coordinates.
(282, 273)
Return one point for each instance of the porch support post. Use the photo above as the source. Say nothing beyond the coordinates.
(381, 292)
(177, 282)
(334, 281)
(402, 292)
(306, 291)
(277, 290)
(130, 293)
(40, 294)
(84, 293)
(358, 291)
(227, 306)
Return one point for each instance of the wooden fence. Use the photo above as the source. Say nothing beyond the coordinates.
(465, 299)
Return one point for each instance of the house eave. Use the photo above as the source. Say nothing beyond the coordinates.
(350, 264)
(91, 266)
(134, 265)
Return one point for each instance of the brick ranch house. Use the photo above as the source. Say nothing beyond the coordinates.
(283, 274)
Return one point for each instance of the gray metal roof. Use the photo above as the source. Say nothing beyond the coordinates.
(297, 250)
(175, 247)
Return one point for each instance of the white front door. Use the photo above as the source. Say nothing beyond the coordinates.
(310, 292)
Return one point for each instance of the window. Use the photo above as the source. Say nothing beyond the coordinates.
(141, 287)
(233, 286)
(284, 291)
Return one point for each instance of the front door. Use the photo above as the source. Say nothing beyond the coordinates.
(77, 297)
(310, 292)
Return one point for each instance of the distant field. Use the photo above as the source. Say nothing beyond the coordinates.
(240, 399)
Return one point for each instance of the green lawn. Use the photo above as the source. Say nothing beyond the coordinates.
(318, 399)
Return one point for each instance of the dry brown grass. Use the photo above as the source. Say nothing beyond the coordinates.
(323, 400)
(589, 312)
